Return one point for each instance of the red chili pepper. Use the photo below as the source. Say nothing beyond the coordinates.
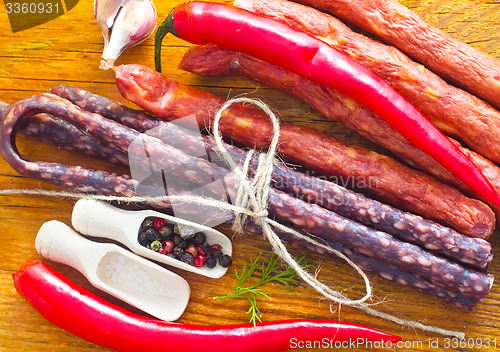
(269, 40)
(94, 319)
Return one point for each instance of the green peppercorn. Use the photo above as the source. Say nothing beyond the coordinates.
(176, 229)
(155, 246)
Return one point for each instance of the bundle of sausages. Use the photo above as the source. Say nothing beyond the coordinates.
(397, 245)
(456, 112)
(436, 243)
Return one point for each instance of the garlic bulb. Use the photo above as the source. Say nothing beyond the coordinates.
(124, 23)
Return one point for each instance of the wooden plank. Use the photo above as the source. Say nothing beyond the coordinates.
(67, 50)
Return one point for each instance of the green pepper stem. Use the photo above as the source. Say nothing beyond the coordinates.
(166, 27)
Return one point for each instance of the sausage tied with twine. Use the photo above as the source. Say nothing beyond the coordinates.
(110, 132)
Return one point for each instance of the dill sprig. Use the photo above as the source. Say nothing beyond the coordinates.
(272, 271)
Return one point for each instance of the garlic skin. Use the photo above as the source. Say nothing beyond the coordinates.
(124, 23)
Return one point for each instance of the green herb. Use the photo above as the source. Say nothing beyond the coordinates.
(270, 272)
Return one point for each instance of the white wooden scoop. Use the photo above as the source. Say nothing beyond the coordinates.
(111, 268)
(99, 219)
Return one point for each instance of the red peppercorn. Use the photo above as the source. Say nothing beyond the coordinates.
(158, 223)
(192, 250)
(168, 246)
(199, 260)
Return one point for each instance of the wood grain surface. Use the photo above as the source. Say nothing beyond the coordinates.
(67, 50)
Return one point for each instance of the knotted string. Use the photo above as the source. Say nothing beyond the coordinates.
(253, 197)
(251, 201)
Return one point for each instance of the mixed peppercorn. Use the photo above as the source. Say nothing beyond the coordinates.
(165, 238)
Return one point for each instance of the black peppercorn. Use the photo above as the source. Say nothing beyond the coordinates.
(216, 253)
(164, 232)
(187, 258)
(176, 239)
(199, 238)
(210, 262)
(151, 235)
(225, 261)
(178, 252)
(171, 255)
(204, 248)
(147, 223)
(143, 241)
(182, 244)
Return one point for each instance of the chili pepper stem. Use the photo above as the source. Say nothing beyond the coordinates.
(166, 27)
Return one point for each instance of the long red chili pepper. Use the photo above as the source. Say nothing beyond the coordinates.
(269, 40)
(94, 319)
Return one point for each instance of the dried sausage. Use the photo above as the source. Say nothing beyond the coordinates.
(62, 134)
(399, 26)
(387, 271)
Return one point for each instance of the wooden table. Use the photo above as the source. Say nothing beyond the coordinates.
(67, 50)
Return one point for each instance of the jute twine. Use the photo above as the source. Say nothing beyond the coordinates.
(251, 201)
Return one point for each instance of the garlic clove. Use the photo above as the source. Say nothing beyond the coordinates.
(124, 23)
(105, 13)
(106, 10)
